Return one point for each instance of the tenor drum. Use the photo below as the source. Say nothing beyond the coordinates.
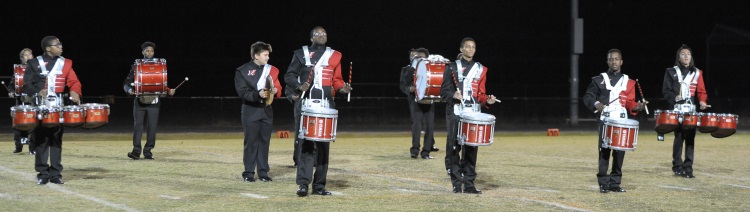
(666, 120)
(150, 77)
(51, 116)
(727, 125)
(318, 124)
(97, 115)
(74, 116)
(24, 117)
(18, 70)
(620, 134)
(690, 120)
(476, 129)
(709, 122)
(428, 78)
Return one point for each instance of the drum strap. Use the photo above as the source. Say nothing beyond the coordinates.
(322, 62)
(51, 75)
(262, 80)
(692, 78)
(614, 93)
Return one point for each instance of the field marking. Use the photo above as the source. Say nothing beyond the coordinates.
(256, 196)
(741, 186)
(726, 177)
(677, 187)
(31, 177)
(555, 204)
(337, 193)
(169, 197)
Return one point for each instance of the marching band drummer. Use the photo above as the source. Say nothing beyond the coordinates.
(683, 84)
(143, 107)
(326, 64)
(419, 112)
(47, 76)
(22, 137)
(473, 95)
(252, 81)
(612, 94)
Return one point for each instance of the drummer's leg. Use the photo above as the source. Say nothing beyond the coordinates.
(416, 127)
(429, 140)
(616, 175)
(603, 161)
(689, 150)
(677, 151)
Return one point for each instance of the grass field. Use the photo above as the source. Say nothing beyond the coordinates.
(373, 172)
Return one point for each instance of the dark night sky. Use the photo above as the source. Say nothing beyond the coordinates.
(525, 44)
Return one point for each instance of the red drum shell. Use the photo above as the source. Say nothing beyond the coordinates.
(24, 117)
(727, 125)
(709, 122)
(97, 115)
(150, 77)
(666, 121)
(428, 78)
(74, 116)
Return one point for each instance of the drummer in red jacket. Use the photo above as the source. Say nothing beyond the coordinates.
(612, 95)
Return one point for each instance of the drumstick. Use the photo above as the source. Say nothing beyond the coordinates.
(643, 98)
(349, 95)
(308, 81)
(596, 111)
(186, 79)
(6, 88)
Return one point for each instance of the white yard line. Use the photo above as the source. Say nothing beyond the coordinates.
(32, 178)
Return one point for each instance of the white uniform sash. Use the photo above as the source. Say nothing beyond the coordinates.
(262, 80)
(614, 110)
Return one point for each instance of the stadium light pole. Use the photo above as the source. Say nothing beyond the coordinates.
(576, 47)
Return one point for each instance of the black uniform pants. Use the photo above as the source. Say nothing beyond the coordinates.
(461, 160)
(148, 114)
(296, 143)
(256, 144)
(688, 138)
(615, 177)
(18, 135)
(312, 164)
(48, 147)
(419, 113)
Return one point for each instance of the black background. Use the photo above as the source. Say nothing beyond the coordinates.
(525, 44)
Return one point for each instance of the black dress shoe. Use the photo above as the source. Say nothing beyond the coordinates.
(603, 188)
(414, 155)
(148, 157)
(42, 181)
(56, 181)
(32, 152)
(690, 175)
(457, 189)
(249, 179)
(265, 179)
(679, 173)
(302, 191)
(616, 189)
(17, 151)
(321, 192)
(427, 157)
(132, 156)
(472, 190)
(434, 149)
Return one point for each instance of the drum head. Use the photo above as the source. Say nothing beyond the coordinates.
(24, 108)
(477, 116)
(420, 79)
(627, 122)
(320, 110)
(95, 106)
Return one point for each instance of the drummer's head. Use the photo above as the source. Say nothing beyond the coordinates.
(422, 52)
(148, 49)
(468, 48)
(318, 35)
(260, 52)
(684, 57)
(614, 60)
(412, 54)
(25, 55)
(52, 46)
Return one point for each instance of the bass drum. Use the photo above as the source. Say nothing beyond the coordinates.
(428, 77)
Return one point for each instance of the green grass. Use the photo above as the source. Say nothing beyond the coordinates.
(373, 172)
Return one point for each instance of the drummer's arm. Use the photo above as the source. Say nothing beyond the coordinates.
(666, 89)
(293, 73)
(447, 90)
(126, 85)
(592, 92)
(244, 91)
(404, 82)
(630, 102)
(32, 80)
(482, 93)
(276, 83)
(338, 80)
(700, 91)
(73, 83)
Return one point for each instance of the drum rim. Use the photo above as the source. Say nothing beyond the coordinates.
(320, 110)
(627, 121)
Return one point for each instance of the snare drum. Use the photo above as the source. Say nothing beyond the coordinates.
(709, 122)
(150, 76)
(690, 120)
(18, 70)
(74, 116)
(727, 125)
(666, 120)
(24, 117)
(51, 116)
(476, 129)
(428, 78)
(318, 124)
(97, 115)
(620, 134)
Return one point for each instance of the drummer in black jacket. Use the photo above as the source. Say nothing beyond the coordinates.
(419, 112)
